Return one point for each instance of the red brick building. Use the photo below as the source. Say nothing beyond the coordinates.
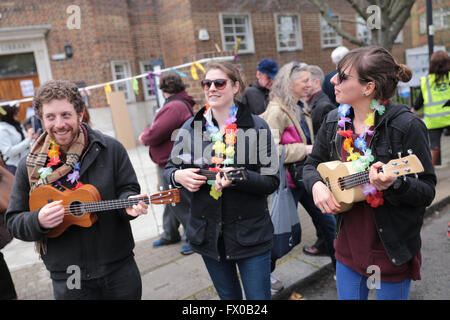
(113, 39)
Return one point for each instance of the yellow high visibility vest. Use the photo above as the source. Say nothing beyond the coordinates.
(434, 97)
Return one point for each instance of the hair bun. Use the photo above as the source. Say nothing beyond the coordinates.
(404, 73)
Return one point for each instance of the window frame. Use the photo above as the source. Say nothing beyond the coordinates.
(298, 32)
(249, 32)
(325, 24)
(145, 83)
(129, 96)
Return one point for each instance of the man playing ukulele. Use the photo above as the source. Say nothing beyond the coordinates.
(70, 153)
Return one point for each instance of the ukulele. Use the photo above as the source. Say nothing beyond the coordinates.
(238, 174)
(81, 204)
(345, 183)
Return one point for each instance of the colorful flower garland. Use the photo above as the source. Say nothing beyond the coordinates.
(220, 148)
(361, 162)
(53, 160)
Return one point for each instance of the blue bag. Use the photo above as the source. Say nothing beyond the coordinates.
(283, 212)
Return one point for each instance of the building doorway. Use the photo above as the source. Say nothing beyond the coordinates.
(18, 79)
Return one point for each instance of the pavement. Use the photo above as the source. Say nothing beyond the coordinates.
(168, 275)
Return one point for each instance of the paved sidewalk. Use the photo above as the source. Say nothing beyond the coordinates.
(166, 274)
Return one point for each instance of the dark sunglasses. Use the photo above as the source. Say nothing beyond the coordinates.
(218, 83)
(344, 76)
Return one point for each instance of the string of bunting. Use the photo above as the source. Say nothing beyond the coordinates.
(107, 85)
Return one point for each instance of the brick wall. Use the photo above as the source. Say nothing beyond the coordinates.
(144, 30)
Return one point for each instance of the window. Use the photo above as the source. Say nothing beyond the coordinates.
(365, 34)
(121, 70)
(147, 67)
(289, 36)
(17, 65)
(441, 20)
(236, 26)
(329, 37)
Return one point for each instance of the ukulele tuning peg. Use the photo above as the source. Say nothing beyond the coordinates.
(170, 186)
(173, 204)
(161, 188)
(410, 151)
(399, 154)
(416, 175)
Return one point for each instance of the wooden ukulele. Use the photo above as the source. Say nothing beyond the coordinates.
(81, 204)
(345, 183)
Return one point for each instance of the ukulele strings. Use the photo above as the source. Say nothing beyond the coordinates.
(355, 179)
(106, 205)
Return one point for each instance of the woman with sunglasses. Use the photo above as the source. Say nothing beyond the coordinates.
(378, 240)
(229, 223)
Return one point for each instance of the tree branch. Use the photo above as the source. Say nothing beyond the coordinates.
(358, 10)
(335, 26)
(400, 20)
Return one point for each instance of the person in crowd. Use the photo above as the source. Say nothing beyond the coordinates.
(256, 96)
(384, 230)
(99, 259)
(435, 92)
(177, 108)
(229, 223)
(319, 105)
(14, 141)
(284, 114)
(327, 86)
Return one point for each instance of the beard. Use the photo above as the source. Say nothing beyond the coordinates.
(64, 137)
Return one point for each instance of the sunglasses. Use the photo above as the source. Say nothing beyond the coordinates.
(344, 76)
(219, 84)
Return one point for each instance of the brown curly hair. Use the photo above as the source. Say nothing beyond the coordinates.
(58, 90)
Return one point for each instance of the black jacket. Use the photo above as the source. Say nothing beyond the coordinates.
(240, 216)
(109, 241)
(256, 98)
(399, 220)
(320, 106)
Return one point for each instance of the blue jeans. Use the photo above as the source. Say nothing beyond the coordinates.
(325, 223)
(255, 276)
(353, 286)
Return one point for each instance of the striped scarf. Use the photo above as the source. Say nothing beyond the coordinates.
(37, 158)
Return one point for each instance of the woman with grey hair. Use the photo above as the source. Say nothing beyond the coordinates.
(292, 127)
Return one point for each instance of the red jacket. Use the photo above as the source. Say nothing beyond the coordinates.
(169, 118)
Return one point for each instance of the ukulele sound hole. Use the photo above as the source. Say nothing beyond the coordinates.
(76, 209)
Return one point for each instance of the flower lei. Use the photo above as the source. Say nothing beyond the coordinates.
(54, 159)
(220, 147)
(361, 162)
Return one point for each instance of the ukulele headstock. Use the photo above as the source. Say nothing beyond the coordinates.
(403, 166)
(166, 197)
(239, 174)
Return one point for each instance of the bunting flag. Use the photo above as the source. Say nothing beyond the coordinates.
(150, 79)
(194, 67)
(181, 74)
(236, 48)
(135, 85)
(107, 90)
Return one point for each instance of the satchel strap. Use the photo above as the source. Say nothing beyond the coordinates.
(282, 170)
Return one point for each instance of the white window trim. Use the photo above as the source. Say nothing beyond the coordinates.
(130, 91)
(250, 42)
(339, 38)
(298, 35)
(145, 83)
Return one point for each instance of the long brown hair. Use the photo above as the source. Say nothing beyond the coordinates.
(375, 64)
